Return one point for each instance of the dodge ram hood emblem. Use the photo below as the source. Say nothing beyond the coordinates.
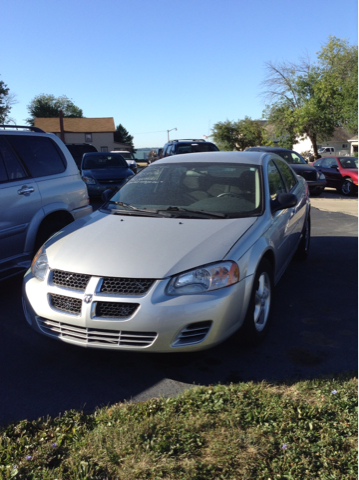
(88, 298)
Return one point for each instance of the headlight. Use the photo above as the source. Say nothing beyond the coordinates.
(89, 180)
(204, 279)
(320, 176)
(40, 264)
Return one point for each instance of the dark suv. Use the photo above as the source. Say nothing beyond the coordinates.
(316, 181)
(77, 150)
(178, 147)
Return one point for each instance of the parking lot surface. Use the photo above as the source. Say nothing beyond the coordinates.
(313, 333)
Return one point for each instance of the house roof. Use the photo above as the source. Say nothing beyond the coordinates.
(340, 134)
(353, 139)
(77, 125)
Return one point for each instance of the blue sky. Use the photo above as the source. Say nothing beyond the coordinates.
(156, 65)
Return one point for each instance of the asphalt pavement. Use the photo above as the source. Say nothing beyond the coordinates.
(314, 332)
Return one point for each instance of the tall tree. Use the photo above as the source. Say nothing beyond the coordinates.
(47, 106)
(7, 99)
(238, 135)
(312, 99)
(121, 135)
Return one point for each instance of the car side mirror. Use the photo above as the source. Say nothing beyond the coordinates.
(108, 194)
(283, 201)
(334, 166)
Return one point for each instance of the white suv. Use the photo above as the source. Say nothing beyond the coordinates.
(41, 191)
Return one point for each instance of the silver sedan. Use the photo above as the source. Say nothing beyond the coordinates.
(184, 254)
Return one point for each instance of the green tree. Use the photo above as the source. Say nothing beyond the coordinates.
(339, 62)
(121, 135)
(47, 106)
(238, 135)
(312, 99)
(7, 99)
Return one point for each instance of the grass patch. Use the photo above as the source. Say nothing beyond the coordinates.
(307, 430)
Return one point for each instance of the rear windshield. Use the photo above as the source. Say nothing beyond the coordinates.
(98, 160)
(128, 155)
(196, 147)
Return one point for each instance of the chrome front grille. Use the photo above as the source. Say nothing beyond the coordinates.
(115, 309)
(76, 281)
(126, 286)
(193, 333)
(96, 336)
(65, 304)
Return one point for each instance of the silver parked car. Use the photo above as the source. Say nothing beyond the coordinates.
(41, 191)
(184, 254)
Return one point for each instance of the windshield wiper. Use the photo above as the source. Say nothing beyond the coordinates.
(132, 208)
(195, 212)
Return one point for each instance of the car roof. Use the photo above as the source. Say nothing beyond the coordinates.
(268, 149)
(98, 154)
(254, 158)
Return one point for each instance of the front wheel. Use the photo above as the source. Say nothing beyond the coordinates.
(347, 187)
(256, 323)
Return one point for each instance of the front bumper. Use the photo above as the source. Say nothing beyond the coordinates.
(160, 323)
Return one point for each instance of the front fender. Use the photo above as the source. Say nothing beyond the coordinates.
(37, 220)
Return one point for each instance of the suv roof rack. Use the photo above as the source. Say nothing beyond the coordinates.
(187, 140)
(26, 127)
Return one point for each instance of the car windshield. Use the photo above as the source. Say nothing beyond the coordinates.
(92, 161)
(187, 189)
(348, 162)
(196, 147)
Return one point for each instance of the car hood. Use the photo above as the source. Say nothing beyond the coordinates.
(144, 247)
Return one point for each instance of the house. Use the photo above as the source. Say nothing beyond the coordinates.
(341, 140)
(97, 131)
(353, 144)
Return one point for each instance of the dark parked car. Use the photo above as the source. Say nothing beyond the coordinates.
(340, 172)
(77, 150)
(102, 170)
(315, 179)
(179, 147)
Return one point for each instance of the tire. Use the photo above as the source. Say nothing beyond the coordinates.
(46, 231)
(347, 187)
(304, 244)
(316, 193)
(256, 322)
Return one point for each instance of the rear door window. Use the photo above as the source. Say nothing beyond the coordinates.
(287, 174)
(13, 167)
(40, 155)
(3, 174)
(276, 184)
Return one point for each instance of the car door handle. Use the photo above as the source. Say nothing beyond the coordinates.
(25, 190)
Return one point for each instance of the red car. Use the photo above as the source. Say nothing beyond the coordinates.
(340, 172)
